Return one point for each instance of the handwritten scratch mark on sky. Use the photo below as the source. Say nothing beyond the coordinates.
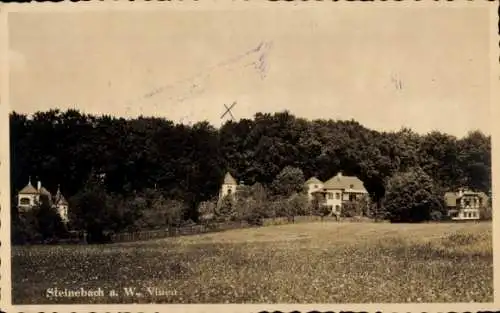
(261, 65)
(196, 81)
(398, 83)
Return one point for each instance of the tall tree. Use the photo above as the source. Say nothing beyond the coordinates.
(289, 181)
(412, 196)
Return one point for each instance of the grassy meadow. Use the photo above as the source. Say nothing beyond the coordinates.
(325, 262)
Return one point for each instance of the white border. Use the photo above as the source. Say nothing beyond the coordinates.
(232, 5)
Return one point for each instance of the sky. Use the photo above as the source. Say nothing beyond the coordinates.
(426, 69)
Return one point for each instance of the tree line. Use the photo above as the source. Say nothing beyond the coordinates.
(148, 156)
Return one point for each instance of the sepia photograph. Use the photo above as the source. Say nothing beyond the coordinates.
(247, 154)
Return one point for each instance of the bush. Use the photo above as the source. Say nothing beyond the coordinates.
(226, 210)
(24, 228)
(157, 212)
(206, 211)
(411, 197)
(485, 213)
(42, 223)
(355, 208)
(279, 207)
(250, 211)
(317, 209)
(298, 204)
(437, 216)
(253, 205)
(289, 181)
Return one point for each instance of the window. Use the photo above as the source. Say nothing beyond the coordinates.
(351, 186)
(337, 195)
(330, 195)
(229, 191)
(25, 201)
(315, 186)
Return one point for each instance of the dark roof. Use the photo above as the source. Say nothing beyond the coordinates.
(340, 181)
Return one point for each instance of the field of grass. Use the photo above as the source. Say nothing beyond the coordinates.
(323, 262)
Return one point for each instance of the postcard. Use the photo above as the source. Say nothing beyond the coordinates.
(249, 156)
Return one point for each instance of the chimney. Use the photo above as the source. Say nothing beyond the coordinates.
(39, 185)
(339, 174)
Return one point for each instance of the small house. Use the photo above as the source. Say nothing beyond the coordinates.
(465, 204)
(29, 197)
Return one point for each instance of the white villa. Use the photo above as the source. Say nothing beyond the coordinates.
(465, 204)
(336, 191)
(29, 196)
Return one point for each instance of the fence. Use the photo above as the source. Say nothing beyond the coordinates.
(174, 232)
(312, 218)
(217, 227)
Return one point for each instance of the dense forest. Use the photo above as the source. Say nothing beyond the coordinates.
(187, 163)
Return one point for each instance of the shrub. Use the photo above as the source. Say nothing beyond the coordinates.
(279, 207)
(226, 210)
(358, 207)
(24, 228)
(436, 216)
(206, 211)
(298, 204)
(411, 196)
(289, 181)
(485, 213)
(249, 210)
(40, 224)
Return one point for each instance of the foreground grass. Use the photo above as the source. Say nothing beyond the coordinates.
(311, 262)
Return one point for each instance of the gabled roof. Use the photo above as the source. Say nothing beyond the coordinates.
(313, 180)
(28, 190)
(340, 181)
(44, 191)
(59, 198)
(229, 180)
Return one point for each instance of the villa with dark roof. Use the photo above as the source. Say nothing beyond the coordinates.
(29, 196)
(336, 191)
